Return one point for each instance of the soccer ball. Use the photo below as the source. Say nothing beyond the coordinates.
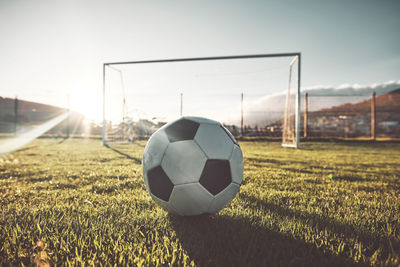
(192, 166)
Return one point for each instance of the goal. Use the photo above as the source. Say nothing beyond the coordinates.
(249, 94)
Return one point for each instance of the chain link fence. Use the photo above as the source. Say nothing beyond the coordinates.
(351, 116)
(322, 117)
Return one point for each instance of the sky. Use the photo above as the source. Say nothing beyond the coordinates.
(52, 49)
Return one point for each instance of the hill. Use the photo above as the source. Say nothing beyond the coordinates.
(354, 119)
(24, 114)
(389, 102)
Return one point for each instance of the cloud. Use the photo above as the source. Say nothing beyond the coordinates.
(353, 89)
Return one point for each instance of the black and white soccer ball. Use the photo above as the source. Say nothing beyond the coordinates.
(192, 166)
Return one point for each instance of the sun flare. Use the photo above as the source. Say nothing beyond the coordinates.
(89, 105)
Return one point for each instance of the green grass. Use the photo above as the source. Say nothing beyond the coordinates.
(326, 204)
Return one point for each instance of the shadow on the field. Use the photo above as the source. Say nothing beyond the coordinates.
(237, 241)
(350, 178)
(297, 170)
(136, 160)
(264, 160)
(26, 148)
(324, 223)
(63, 140)
(278, 162)
(387, 183)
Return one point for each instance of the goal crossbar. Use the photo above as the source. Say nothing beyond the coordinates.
(204, 58)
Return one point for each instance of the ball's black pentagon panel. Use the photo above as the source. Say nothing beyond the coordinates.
(182, 129)
(201, 120)
(230, 135)
(159, 183)
(216, 175)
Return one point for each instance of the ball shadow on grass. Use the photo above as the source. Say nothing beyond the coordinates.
(221, 240)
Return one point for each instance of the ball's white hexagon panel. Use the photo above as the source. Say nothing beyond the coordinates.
(201, 120)
(214, 141)
(236, 163)
(163, 204)
(223, 198)
(190, 199)
(230, 135)
(183, 162)
(154, 152)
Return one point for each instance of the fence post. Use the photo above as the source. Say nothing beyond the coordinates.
(373, 116)
(181, 104)
(15, 116)
(305, 114)
(241, 115)
(68, 122)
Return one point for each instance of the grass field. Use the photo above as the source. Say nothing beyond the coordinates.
(326, 204)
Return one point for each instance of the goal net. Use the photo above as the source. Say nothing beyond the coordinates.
(291, 118)
(245, 93)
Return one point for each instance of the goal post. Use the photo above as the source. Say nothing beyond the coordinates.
(291, 117)
(120, 129)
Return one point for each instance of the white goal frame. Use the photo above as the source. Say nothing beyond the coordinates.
(287, 115)
(295, 54)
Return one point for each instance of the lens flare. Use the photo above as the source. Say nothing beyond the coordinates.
(23, 139)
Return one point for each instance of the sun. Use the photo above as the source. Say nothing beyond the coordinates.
(89, 105)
